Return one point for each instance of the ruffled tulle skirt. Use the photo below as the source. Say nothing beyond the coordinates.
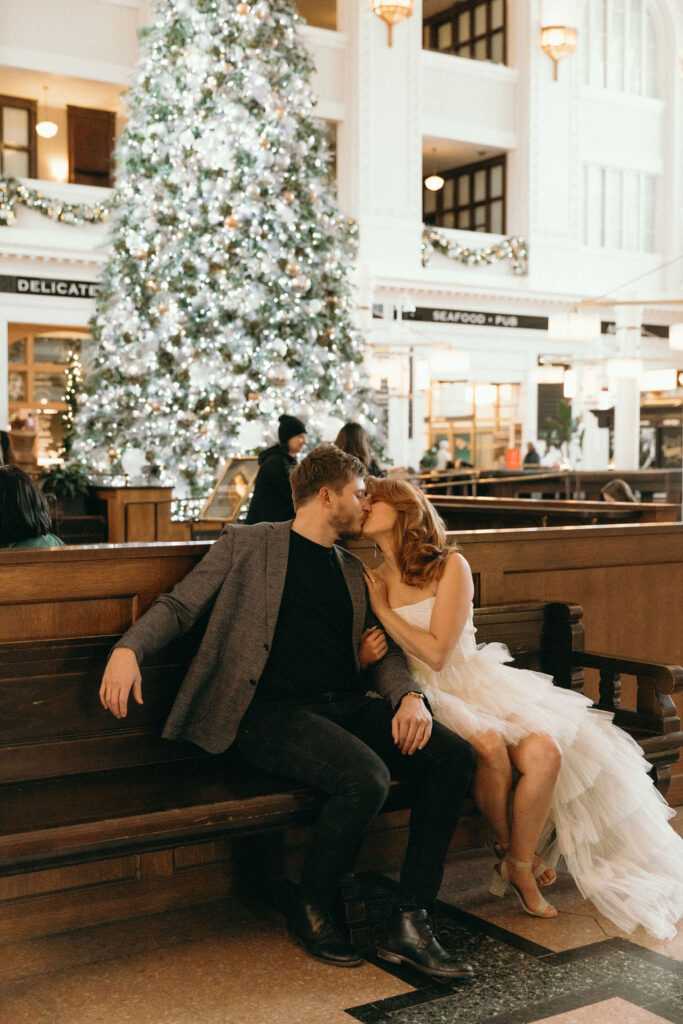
(607, 821)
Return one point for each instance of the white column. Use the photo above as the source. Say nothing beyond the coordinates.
(417, 445)
(380, 151)
(398, 445)
(529, 402)
(595, 441)
(626, 424)
(627, 395)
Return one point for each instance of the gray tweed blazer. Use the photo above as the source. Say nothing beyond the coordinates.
(241, 578)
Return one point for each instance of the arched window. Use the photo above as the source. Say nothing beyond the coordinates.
(620, 46)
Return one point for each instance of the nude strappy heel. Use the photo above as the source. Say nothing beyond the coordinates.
(499, 850)
(500, 881)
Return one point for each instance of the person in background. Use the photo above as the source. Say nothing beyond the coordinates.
(7, 457)
(532, 458)
(24, 512)
(617, 490)
(272, 498)
(444, 457)
(353, 440)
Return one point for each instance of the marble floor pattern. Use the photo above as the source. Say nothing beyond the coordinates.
(230, 962)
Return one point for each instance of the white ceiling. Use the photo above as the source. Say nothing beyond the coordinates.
(442, 154)
(62, 90)
(430, 7)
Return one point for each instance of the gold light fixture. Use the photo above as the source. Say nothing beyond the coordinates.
(558, 41)
(45, 128)
(392, 12)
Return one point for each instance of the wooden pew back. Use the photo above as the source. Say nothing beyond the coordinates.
(56, 726)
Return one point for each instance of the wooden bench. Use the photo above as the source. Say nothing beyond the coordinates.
(79, 786)
(485, 513)
(562, 484)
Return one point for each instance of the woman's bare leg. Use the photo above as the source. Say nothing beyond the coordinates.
(539, 759)
(492, 782)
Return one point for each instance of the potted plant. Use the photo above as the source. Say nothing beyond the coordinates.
(69, 485)
(563, 430)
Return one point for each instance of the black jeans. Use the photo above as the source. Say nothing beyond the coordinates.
(342, 744)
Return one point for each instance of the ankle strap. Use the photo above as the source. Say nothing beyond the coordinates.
(518, 863)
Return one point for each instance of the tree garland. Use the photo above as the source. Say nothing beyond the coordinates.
(13, 193)
(514, 248)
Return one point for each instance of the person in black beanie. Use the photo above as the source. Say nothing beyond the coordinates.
(272, 498)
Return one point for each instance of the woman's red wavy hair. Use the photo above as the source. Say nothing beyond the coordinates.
(419, 533)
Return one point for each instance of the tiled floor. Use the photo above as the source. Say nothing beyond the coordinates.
(232, 962)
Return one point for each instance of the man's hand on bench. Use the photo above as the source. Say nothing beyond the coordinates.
(120, 676)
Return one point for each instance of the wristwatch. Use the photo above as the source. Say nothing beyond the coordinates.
(414, 693)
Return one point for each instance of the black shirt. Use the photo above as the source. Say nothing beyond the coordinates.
(312, 649)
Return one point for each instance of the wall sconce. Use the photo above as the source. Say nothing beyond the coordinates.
(558, 41)
(45, 128)
(392, 12)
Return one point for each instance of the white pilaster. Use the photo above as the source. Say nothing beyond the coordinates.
(627, 398)
(380, 172)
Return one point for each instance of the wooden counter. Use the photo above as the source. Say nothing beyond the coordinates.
(140, 514)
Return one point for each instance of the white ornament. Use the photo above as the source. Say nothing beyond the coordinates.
(280, 373)
(250, 435)
(200, 374)
(331, 427)
(132, 462)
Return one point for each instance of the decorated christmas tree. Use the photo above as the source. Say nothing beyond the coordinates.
(226, 300)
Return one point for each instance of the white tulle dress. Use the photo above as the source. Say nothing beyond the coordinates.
(607, 821)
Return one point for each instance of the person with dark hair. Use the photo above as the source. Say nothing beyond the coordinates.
(7, 457)
(353, 439)
(531, 458)
(283, 670)
(617, 490)
(271, 501)
(583, 792)
(24, 512)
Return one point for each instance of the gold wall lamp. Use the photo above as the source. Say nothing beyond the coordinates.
(392, 12)
(558, 41)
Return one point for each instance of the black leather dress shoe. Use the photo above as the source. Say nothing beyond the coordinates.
(317, 932)
(410, 938)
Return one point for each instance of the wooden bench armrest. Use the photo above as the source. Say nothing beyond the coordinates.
(665, 678)
(655, 712)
